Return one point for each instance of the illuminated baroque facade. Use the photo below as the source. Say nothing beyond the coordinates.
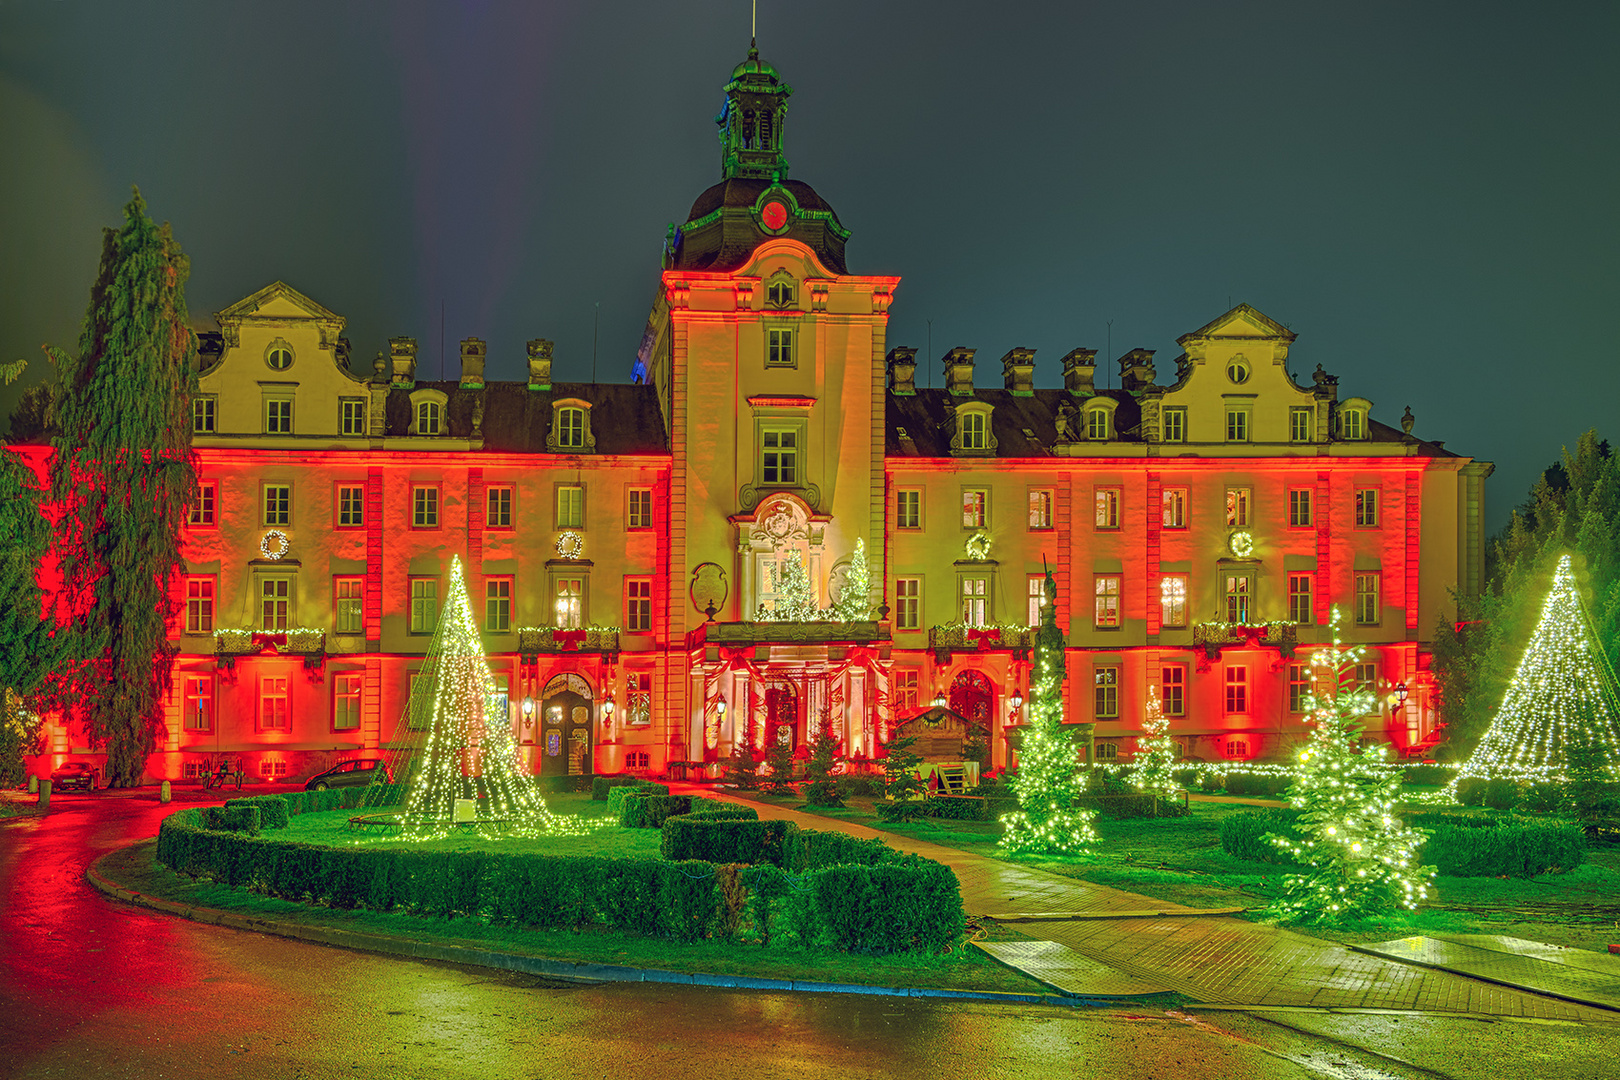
(622, 541)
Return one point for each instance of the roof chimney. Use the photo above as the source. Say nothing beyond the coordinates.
(959, 371)
(402, 355)
(902, 364)
(540, 364)
(1136, 370)
(1018, 371)
(1079, 369)
(472, 363)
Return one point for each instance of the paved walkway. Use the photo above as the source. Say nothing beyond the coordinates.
(1129, 944)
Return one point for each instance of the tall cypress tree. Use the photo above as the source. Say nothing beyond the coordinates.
(123, 476)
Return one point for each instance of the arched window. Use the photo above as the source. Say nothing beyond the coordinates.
(1097, 425)
(571, 428)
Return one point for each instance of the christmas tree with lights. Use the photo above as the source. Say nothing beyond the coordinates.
(1048, 779)
(1358, 858)
(855, 602)
(795, 599)
(1562, 698)
(461, 745)
(1153, 771)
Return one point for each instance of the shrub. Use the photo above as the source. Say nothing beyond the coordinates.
(779, 759)
(1462, 845)
(860, 785)
(1546, 797)
(904, 790)
(726, 840)
(643, 811)
(243, 816)
(1257, 787)
(1243, 835)
(1429, 775)
(1471, 792)
(742, 768)
(882, 909)
(617, 795)
(273, 809)
(811, 849)
(958, 807)
(601, 785)
(822, 789)
(1501, 794)
(653, 787)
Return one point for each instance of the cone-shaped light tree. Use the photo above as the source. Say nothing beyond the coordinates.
(123, 476)
(1048, 779)
(1358, 858)
(1562, 698)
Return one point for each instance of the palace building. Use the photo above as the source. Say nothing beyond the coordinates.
(621, 541)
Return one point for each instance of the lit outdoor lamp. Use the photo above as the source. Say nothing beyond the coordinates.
(1015, 702)
(720, 706)
(607, 709)
(1400, 696)
(528, 710)
(940, 701)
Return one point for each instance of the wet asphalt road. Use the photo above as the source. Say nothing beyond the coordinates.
(93, 988)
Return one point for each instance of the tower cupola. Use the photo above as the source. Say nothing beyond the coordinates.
(751, 121)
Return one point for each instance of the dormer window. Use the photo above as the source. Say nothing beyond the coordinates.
(1237, 370)
(973, 435)
(428, 413)
(1353, 419)
(279, 356)
(1097, 424)
(571, 427)
(779, 294)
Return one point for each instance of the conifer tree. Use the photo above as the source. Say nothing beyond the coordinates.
(1153, 771)
(795, 599)
(779, 759)
(123, 475)
(822, 789)
(1358, 858)
(902, 787)
(855, 603)
(25, 645)
(1049, 778)
(742, 767)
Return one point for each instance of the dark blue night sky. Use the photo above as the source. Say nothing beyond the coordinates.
(1424, 193)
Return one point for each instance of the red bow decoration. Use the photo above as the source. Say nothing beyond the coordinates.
(568, 639)
(990, 634)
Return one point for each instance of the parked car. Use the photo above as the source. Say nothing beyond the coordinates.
(357, 773)
(76, 774)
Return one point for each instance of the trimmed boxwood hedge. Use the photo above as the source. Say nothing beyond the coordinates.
(239, 815)
(725, 840)
(640, 810)
(1466, 845)
(273, 809)
(601, 785)
(1257, 787)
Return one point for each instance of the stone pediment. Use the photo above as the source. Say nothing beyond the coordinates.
(278, 301)
(1242, 321)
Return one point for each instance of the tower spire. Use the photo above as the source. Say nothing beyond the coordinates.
(751, 121)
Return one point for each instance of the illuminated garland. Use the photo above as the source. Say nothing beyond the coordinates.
(1561, 697)
(283, 544)
(1359, 858)
(1154, 769)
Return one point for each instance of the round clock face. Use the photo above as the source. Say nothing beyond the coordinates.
(774, 215)
(1241, 544)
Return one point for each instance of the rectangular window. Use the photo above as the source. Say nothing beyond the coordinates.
(1367, 589)
(275, 603)
(1301, 601)
(638, 698)
(1237, 508)
(1237, 424)
(275, 711)
(351, 507)
(905, 691)
(1106, 503)
(571, 506)
(1040, 508)
(1238, 589)
(975, 601)
(1173, 600)
(571, 428)
(199, 703)
(202, 415)
(278, 416)
(348, 598)
(1175, 425)
(1354, 423)
(346, 702)
(1105, 696)
(202, 511)
(1299, 507)
(1036, 590)
(1097, 425)
(1107, 589)
(352, 416)
(1174, 502)
(570, 602)
(1366, 688)
(427, 417)
(277, 504)
(639, 515)
(908, 603)
(498, 506)
(638, 605)
(424, 605)
(1299, 688)
(779, 347)
(425, 507)
(1366, 508)
(1173, 690)
(419, 711)
(908, 508)
(497, 605)
(975, 508)
(1237, 689)
(779, 456)
(1301, 424)
(974, 427)
(200, 605)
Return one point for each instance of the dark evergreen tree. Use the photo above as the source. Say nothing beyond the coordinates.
(779, 759)
(742, 767)
(123, 476)
(822, 789)
(25, 644)
(902, 787)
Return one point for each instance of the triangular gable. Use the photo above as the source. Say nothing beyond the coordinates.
(1242, 321)
(278, 300)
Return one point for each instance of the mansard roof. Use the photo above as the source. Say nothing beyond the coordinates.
(928, 417)
(625, 419)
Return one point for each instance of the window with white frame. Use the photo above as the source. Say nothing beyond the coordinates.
(569, 602)
(1368, 587)
(570, 428)
(1035, 589)
(1237, 688)
(779, 347)
(1365, 677)
(1300, 511)
(1299, 689)
(779, 294)
(277, 504)
(975, 508)
(352, 416)
(203, 510)
(779, 455)
(1173, 427)
(498, 506)
(975, 600)
(570, 506)
(1040, 508)
(1302, 599)
(1353, 423)
(425, 506)
(638, 698)
(497, 605)
(429, 417)
(351, 506)
(1173, 600)
(1097, 425)
(975, 429)
(1105, 691)
(279, 356)
(1237, 507)
(419, 695)
(1107, 589)
(275, 603)
(639, 515)
(1173, 689)
(1173, 502)
(275, 703)
(349, 604)
(904, 692)
(424, 605)
(1237, 748)
(1237, 423)
(1107, 751)
(203, 414)
(278, 412)
(908, 508)
(1366, 508)
(1237, 591)
(908, 603)
(199, 605)
(638, 605)
(1105, 502)
(1301, 424)
(346, 690)
(198, 702)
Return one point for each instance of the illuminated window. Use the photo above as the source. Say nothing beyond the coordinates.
(352, 416)
(1237, 508)
(1237, 689)
(424, 605)
(277, 504)
(569, 605)
(1175, 425)
(1174, 504)
(638, 698)
(779, 347)
(275, 603)
(1040, 508)
(1097, 426)
(1106, 507)
(570, 428)
(975, 508)
(908, 509)
(638, 605)
(1238, 589)
(1301, 601)
(1107, 751)
(429, 417)
(200, 605)
(498, 506)
(1301, 424)
(349, 593)
(1037, 597)
(275, 704)
(1107, 590)
(1299, 507)
(908, 603)
(351, 507)
(975, 600)
(419, 711)
(1299, 688)
(1105, 692)
(1237, 748)
(1237, 423)
(779, 455)
(905, 691)
(639, 515)
(1173, 690)
(1173, 600)
(1366, 687)
(425, 507)
(202, 511)
(278, 416)
(199, 702)
(571, 506)
(202, 414)
(1367, 589)
(346, 702)
(1366, 508)
(497, 605)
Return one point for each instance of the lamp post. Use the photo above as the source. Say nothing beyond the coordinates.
(607, 717)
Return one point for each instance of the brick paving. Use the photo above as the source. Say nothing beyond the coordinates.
(1211, 958)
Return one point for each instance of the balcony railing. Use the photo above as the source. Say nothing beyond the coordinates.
(534, 640)
(232, 642)
(786, 633)
(946, 638)
(1213, 635)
